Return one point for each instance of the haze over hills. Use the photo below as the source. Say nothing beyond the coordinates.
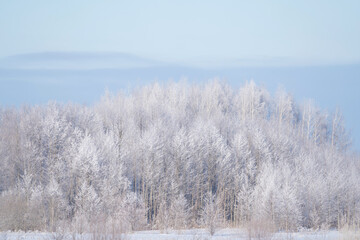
(75, 60)
(119, 60)
(83, 77)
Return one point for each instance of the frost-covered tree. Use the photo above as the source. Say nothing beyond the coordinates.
(286, 112)
(135, 212)
(339, 136)
(211, 213)
(153, 157)
(179, 212)
(253, 102)
(56, 204)
(87, 205)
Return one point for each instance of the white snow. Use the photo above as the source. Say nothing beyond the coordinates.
(194, 234)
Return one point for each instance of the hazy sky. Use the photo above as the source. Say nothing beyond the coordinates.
(301, 32)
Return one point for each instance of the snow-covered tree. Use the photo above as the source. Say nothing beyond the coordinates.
(211, 213)
(171, 155)
(179, 212)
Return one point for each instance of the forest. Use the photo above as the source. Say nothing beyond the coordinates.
(177, 156)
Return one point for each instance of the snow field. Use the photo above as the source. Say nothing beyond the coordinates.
(193, 234)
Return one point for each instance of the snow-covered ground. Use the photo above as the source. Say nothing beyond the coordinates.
(198, 234)
(228, 234)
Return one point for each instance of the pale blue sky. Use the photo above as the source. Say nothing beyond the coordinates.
(301, 32)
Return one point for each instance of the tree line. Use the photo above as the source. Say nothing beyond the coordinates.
(177, 156)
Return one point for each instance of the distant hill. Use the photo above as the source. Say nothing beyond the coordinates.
(76, 60)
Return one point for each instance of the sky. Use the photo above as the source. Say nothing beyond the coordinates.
(302, 32)
(71, 51)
